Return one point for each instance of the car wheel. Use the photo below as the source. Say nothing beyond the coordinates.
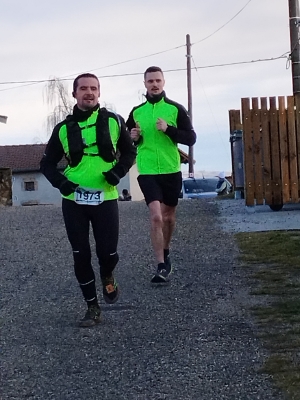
(276, 207)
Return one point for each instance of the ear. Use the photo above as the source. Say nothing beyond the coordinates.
(73, 94)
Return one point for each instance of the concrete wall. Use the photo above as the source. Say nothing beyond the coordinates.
(130, 182)
(135, 190)
(43, 193)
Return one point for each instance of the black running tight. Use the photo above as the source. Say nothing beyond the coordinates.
(104, 220)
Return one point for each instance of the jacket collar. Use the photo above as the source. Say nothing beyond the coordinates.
(157, 98)
(79, 115)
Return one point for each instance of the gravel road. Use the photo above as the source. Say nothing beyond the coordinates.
(236, 217)
(193, 339)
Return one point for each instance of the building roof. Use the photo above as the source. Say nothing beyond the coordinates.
(23, 158)
(27, 157)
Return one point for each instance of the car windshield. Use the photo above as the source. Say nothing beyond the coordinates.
(200, 185)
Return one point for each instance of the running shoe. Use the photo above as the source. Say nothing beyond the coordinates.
(168, 264)
(161, 275)
(92, 317)
(110, 290)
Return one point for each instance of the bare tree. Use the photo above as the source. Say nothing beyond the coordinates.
(57, 96)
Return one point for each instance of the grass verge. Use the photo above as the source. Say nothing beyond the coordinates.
(272, 260)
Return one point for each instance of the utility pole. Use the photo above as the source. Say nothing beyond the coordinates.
(295, 48)
(189, 90)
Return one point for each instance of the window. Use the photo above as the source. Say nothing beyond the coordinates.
(200, 185)
(29, 186)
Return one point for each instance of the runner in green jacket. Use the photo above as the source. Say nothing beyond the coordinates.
(156, 127)
(99, 152)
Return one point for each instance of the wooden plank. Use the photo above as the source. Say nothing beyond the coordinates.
(265, 132)
(257, 153)
(275, 157)
(297, 114)
(235, 125)
(237, 119)
(284, 153)
(248, 152)
(292, 148)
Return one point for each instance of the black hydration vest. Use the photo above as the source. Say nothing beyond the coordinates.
(103, 139)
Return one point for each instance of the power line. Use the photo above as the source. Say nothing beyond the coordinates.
(128, 61)
(28, 83)
(221, 27)
(211, 110)
(165, 51)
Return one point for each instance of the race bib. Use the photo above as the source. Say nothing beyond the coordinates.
(89, 197)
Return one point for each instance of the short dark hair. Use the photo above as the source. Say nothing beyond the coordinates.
(152, 69)
(85, 75)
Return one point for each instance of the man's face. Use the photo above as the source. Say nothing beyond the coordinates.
(154, 83)
(87, 93)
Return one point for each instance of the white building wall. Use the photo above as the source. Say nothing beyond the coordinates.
(130, 183)
(44, 192)
(135, 190)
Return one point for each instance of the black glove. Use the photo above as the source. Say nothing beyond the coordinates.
(67, 187)
(111, 177)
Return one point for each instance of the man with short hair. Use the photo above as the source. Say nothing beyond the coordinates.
(156, 127)
(99, 152)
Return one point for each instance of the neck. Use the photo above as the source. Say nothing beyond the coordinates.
(155, 98)
(82, 115)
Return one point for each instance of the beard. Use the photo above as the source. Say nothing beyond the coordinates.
(85, 106)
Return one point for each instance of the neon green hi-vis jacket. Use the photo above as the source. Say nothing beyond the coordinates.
(157, 151)
(94, 152)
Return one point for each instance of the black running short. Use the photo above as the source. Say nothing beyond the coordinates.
(164, 188)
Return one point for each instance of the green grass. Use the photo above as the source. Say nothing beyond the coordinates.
(272, 260)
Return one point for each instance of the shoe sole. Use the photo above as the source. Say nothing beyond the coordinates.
(159, 279)
(89, 324)
(109, 301)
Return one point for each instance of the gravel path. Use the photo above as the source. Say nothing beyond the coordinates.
(236, 217)
(192, 339)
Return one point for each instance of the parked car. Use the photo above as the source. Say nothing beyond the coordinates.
(194, 188)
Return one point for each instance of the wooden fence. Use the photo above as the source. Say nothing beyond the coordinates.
(271, 149)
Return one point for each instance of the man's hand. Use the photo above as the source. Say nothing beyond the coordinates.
(111, 177)
(161, 125)
(67, 187)
(135, 133)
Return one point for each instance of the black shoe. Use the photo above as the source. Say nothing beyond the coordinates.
(110, 290)
(168, 264)
(92, 317)
(161, 275)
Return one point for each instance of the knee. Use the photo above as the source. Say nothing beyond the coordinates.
(169, 218)
(109, 260)
(156, 219)
(82, 256)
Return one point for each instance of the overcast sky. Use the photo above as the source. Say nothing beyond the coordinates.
(118, 40)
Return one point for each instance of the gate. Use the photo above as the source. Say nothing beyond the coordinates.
(271, 150)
